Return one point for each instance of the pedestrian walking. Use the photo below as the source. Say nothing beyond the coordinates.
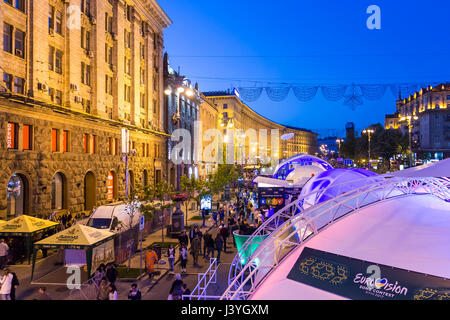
(151, 258)
(171, 258)
(112, 295)
(3, 253)
(134, 293)
(183, 239)
(99, 274)
(204, 218)
(205, 240)
(196, 247)
(176, 291)
(214, 215)
(219, 245)
(111, 273)
(14, 285)
(103, 290)
(223, 230)
(183, 258)
(6, 284)
(191, 235)
(209, 247)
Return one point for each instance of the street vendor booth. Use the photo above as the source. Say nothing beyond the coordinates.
(26, 227)
(82, 245)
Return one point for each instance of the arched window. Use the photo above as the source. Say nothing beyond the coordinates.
(17, 191)
(59, 191)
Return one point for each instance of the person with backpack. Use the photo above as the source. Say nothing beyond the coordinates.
(176, 291)
(219, 245)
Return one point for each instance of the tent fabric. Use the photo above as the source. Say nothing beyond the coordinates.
(409, 233)
(24, 224)
(271, 181)
(76, 237)
(437, 169)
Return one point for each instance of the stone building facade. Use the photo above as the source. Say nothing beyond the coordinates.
(236, 115)
(428, 113)
(75, 74)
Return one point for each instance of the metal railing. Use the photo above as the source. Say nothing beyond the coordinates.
(87, 291)
(300, 220)
(204, 280)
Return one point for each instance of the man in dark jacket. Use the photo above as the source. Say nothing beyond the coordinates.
(111, 273)
(183, 238)
(14, 285)
(224, 233)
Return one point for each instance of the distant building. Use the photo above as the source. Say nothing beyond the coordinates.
(428, 112)
(350, 130)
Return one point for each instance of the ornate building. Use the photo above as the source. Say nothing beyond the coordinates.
(75, 74)
(427, 115)
(237, 115)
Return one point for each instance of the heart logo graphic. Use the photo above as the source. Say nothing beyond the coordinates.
(379, 283)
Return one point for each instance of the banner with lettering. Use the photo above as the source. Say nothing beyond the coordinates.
(363, 280)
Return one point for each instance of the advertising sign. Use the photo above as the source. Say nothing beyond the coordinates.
(110, 186)
(206, 203)
(364, 280)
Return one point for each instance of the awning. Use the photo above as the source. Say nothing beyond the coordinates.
(439, 169)
(76, 237)
(25, 225)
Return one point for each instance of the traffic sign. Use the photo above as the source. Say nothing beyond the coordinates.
(141, 223)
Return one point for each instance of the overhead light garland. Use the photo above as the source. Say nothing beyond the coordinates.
(353, 94)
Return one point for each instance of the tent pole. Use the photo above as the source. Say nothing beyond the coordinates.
(34, 262)
(89, 261)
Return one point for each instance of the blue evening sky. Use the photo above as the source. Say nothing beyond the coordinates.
(309, 42)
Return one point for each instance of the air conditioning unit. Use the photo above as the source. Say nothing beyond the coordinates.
(42, 86)
(19, 52)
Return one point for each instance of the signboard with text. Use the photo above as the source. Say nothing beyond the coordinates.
(358, 279)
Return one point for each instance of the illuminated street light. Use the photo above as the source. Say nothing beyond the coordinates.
(369, 132)
(168, 92)
(409, 119)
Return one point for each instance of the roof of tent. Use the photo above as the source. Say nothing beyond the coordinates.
(76, 237)
(437, 169)
(24, 224)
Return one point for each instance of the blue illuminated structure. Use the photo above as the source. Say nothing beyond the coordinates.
(302, 159)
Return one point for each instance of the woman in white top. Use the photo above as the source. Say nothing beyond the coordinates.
(6, 282)
(112, 292)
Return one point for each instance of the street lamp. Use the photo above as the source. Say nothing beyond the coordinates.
(339, 141)
(409, 119)
(368, 132)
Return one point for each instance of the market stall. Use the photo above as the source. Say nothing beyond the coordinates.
(82, 245)
(26, 227)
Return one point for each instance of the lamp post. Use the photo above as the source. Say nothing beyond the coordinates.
(409, 120)
(339, 141)
(369, 133)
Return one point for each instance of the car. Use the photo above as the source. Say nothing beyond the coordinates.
(112, 217)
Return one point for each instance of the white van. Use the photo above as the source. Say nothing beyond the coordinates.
(112, 217)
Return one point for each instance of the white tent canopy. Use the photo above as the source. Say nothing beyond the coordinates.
(437, 169)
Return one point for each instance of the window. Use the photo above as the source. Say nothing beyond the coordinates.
(58, 97)
(110, 146)
(127, 93)
(142, 76)
(12, 135)
(148, 150)
(116, 146)
(27, 137)
(65, 142)
(86, 143)
(86, 7)
(83, 44)
(94, 144)
(7, 37)
(129, 12)
(55, 140)
(225, 106)
(110, 55)
(20, 5)
(85, 74)
(7, 79)
(19, 44)
(88, 41)
(58, 21)
(127, 39)
(19, 85)
(108, 84)
(58, 191)
(51, 19)
(143, 100)
(51, 58)
(142, 51)
(58, 61)
(448, 97)
(154, 106)
(51, 93)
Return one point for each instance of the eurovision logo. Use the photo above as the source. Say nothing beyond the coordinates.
(380, 286)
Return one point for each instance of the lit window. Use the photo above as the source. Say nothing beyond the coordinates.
(12, 136)
(27, 137)
(55, 140)
(65, 141)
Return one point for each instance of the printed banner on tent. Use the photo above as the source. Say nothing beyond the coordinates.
(354, 279)
(102, 254)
